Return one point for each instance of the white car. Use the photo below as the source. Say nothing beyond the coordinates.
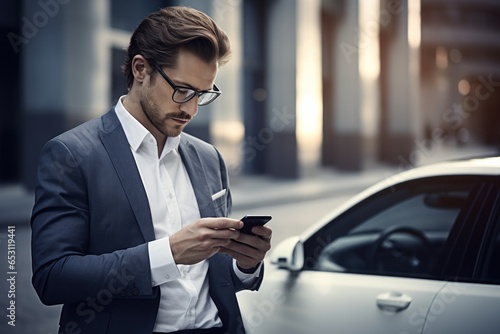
(416, 253)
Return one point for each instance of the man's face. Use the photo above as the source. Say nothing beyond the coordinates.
(169, 117)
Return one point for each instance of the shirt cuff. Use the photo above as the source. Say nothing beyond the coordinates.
(247, 279)
(163, 266)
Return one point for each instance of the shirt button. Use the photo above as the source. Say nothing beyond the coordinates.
(153, 283)
(167, 276)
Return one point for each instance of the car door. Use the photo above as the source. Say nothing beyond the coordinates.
(470, 301)
(375, 268)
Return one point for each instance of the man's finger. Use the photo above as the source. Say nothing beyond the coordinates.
(222, 223)
(263, 232)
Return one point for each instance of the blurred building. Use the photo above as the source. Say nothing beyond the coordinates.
(324, 83)
(460, 71)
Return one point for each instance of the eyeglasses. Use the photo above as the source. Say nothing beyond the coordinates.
(183, 94)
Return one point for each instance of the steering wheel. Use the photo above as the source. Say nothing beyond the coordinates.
(390, 255)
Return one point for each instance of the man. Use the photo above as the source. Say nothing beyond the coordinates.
(128, 227)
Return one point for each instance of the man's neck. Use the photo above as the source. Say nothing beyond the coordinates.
(133, 106)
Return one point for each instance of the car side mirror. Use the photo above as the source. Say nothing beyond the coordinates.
(289, 254)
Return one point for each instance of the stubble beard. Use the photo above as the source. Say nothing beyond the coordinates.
(159, 121)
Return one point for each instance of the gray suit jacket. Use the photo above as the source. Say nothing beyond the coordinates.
(91, 223)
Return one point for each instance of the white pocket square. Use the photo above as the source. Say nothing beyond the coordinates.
(218, 194)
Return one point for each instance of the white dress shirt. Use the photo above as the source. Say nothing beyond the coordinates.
(185, 301)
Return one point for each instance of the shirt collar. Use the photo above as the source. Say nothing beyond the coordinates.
(136, 133)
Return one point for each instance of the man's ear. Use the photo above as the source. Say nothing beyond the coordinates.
(140, 68)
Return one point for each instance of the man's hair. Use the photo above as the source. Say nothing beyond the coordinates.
(162, 34)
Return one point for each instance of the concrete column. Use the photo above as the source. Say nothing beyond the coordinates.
(65, 65)
(402, 74)
(351, 135)
(331, 16)
(225, 126)
(200, 125)
(279, 135)
(254, 92)
(88, 59)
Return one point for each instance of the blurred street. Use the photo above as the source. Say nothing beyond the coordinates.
(294, 205)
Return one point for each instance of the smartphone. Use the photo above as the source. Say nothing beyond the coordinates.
(251, 221)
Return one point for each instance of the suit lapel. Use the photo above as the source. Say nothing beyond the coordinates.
(194, 168)
(116, 144)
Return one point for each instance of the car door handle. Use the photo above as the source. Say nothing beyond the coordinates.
(393, 301)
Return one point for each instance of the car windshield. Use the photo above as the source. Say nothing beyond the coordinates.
(427, 211)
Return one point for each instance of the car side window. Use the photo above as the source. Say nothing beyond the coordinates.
(399, 231)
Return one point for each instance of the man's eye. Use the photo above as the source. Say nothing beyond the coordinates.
(184, 91)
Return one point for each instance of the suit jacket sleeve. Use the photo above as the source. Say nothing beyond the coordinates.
(64, 270)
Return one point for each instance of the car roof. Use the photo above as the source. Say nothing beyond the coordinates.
(474, 166)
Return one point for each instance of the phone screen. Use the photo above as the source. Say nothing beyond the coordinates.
(251, 221)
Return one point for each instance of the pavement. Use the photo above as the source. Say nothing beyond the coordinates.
(250, 192)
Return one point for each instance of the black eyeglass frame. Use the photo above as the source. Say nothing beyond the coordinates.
(198, 93)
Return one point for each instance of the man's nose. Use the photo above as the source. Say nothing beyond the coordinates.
(191, 106)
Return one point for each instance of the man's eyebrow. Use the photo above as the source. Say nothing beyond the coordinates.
(185, 84)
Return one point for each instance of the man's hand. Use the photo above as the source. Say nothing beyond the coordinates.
(249, 250)
(202, 239)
